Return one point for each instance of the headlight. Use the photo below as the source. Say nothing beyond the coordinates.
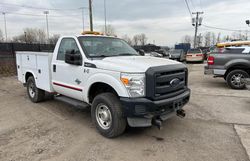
(134, 83)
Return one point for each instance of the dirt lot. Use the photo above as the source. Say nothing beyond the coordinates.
(217, 128)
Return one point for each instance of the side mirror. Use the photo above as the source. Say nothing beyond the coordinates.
(141, 52)
(73, 57)
(247, 22)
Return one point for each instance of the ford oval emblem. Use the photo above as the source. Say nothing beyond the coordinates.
(175, 82)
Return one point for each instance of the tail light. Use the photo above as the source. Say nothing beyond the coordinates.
(199, 54)
(210, 60)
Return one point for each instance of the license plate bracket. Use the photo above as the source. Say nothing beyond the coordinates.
(178, 104)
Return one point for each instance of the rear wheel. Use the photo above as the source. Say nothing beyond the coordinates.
(35, 94)
(107, 115)
(236, 79)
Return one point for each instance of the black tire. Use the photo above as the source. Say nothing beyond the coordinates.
(232, 81)
(38, 94)
(118, 122)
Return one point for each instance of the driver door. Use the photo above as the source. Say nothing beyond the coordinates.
(67, 78)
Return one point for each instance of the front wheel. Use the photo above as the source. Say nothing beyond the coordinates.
(236, 79)
(35, 94)
(107, 115)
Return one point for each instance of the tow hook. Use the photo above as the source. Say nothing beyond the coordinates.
(157, 122)
(181, 113)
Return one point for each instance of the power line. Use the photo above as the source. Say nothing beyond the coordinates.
(192, 3)
(218, 28)
(201, 5)
(188, 8)
(40, 8)
(36, 15)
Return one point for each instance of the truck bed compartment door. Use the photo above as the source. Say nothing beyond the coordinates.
(29, 61)
(19, 67)
(43, 73)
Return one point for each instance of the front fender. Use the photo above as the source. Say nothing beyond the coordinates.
(107, 79)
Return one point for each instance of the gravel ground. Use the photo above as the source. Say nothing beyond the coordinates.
(217, 128)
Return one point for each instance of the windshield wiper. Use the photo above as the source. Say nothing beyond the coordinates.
(99, 56)
(127, 54)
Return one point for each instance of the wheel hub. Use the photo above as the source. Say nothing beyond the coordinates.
(237, 80)
(103, 116)
(32, 90)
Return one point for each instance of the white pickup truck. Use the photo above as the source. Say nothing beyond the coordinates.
(106, 74)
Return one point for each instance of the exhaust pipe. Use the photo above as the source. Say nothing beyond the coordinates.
(157, 123)
(181, 113)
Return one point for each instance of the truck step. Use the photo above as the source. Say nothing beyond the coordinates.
(73, 102)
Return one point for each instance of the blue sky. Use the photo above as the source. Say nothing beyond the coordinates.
(166, 22)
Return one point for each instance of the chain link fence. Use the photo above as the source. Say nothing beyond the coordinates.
(8, 57)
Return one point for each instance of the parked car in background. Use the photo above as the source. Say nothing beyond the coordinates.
(154, 54)
(205, 51)
(149, 48)
(194, 55)
(177, 54)
(166, 50)
(233, 65)
(184, 46)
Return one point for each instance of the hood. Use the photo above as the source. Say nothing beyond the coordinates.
(131, 64)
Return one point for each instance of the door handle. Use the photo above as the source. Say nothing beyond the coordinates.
(54, 68)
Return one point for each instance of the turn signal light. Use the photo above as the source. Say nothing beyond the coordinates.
(125, 81)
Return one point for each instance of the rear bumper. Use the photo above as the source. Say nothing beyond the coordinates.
(248, 83)
(217, 72)
(141, 111)
(194, 59)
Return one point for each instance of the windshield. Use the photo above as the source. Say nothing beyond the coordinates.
(177, 52)
(194, 51)
(106, 47)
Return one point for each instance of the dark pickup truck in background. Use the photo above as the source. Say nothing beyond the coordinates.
(233, 64)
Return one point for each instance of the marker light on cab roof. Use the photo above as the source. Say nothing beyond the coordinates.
(91, 33)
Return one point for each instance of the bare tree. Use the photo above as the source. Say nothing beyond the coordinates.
(20, 39)
(207, 39)
(53, 39)
(142, 39)
(218, 38)
(110, 30)
(41, 36)
(246, 35)
(199, 40)
(136, 40)
(238, 36)
(226, 38)
(31, 35)
(186, 39)
(213, 37)
(127, 39)
(1, 36)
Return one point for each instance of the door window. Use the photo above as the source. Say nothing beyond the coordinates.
(67, 44)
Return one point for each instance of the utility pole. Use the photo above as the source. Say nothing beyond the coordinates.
(25, 36)
(105, 17)
(5, 26)
(196, 22)
(90, 15)
(47, 23)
